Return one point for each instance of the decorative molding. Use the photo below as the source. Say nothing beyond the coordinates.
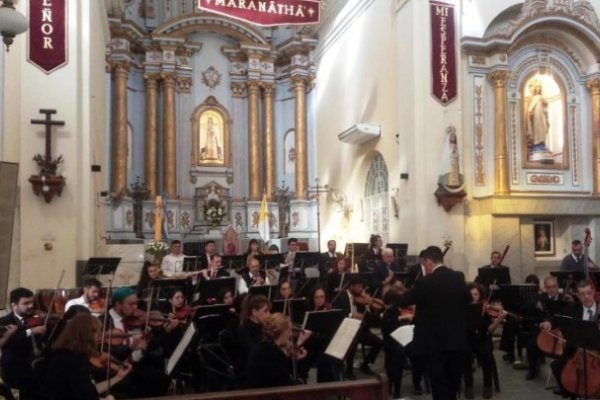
(536, 178)
(575, 141)
(478, 131)
(513, 143)
(211, 77)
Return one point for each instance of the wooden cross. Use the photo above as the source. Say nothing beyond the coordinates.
(48, 123)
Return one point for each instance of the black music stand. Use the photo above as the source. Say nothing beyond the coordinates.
(554, 307)
(296, 308)
(193, 248)
(269, 291)
(211, 320)
(169, 285)
(101, 266)
(487, 276)
(582, 334)
(270, 261)
(567, 280)
(400, 249)
(306, 259)
(209, 289)
(191, 263)
(514, 297)
(234, 262)
(324, 324)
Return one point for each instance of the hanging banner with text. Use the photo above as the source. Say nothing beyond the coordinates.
(47, 34)
(443, 52)
(266, 12)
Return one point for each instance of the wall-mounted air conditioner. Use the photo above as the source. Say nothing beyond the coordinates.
(360, 133)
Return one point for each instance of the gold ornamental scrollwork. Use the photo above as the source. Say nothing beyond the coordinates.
(593, 86)
(184, 84)
(238, 89)
(498, 78)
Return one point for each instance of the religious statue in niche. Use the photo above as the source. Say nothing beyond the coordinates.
(543, 112)
(211, 137)
(210, 134)
(451, 184)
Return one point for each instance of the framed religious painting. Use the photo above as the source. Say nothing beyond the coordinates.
(543, 237)
(210, 134)
(544, 122)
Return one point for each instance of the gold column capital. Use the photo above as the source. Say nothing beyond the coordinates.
(268, 89)
(238, 89)
(184, 84)
(118, 67)
(151, 77)
(498, 77)
(253, 86)
(168, 78)
(593, 86)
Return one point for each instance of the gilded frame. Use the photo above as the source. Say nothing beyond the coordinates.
(543, 238)
(202, 156)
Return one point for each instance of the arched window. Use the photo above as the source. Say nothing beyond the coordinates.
(376, 198)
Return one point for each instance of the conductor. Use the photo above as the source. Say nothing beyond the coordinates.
(440, 335)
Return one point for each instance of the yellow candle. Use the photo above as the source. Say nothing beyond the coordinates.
(158, 218)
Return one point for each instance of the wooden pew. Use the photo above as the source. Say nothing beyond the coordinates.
(375, 388)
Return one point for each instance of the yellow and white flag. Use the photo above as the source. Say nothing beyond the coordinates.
(263, 220)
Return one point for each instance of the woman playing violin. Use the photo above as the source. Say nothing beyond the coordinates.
(149, 273)
(319, 301)
(334, 280)
(69, 373)
(480, 342)
(269, 363)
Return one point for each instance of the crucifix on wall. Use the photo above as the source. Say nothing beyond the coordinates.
(47, 182)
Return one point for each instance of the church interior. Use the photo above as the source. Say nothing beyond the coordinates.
(471, 125)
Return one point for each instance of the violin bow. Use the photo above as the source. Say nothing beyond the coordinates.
(62, 274)
(104, 323)
(504, 253)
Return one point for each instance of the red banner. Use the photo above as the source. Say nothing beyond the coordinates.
(443, 52)
(267, 12)
(47, 34)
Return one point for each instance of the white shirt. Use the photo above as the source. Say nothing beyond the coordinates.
(586, 314)
(79, 301)
(172, 264)
(243, 286)
(353, 309)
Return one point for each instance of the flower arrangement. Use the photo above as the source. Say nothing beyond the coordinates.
(214, 213)
(157, 248)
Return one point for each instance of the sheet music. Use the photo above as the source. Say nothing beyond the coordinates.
(339, 345)
(181, 346)
(404, 334)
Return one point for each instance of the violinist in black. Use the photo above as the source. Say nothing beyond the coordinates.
(21, 347)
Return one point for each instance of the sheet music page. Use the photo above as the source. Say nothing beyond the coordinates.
(339, 345)
(181, 346)
(404, 334)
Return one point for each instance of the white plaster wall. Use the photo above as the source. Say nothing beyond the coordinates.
(76, 91)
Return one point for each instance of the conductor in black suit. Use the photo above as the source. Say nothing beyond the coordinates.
(18, 351)
(440, 335)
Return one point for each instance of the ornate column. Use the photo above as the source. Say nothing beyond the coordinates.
(151, 145)
(301, 139)
(269, 141)
(169, 136)
(594, 87)
(119, 129)
(253, 141)
(498, 79)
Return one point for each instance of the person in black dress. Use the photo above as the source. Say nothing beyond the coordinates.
(69, 373)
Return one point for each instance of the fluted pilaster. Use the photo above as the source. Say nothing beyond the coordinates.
(120, 72)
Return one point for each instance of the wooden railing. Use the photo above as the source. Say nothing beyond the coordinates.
(364, 389)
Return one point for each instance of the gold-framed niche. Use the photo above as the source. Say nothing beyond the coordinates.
(211, 135)
(544, 129)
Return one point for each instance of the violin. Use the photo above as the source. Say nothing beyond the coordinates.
(375, 304)
(105, 361)
(97, 306)
(115, 337)
(185, 313)
(494, 311)
(38, 318)
(141, 318)
(407, 313)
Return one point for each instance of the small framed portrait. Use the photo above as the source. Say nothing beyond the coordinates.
(543, 237)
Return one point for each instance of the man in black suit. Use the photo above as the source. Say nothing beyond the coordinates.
(585, 310)
(576, 260)
(440, 335)
(328, 259)
(495, 262)
(383, 273)
(415, 272)
(345, 301)
(18, 351)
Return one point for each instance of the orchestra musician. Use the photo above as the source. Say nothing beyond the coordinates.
(586, 310)
(383, 273)
(69, 372)
(270, 360)
(18, 351)
(440, 337)
(285, 291)
(253, 277)
(334, 279)
(347, 301)
(416, 272)
(496, 262)
(145, 379)
(480, 343)
(252, 251)
(575, 261)
(210, 250)
(91, 293)
(172, 263)
(328, 259)
(319, 300)
(215, 269)
(149, 273)
(544, 306)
